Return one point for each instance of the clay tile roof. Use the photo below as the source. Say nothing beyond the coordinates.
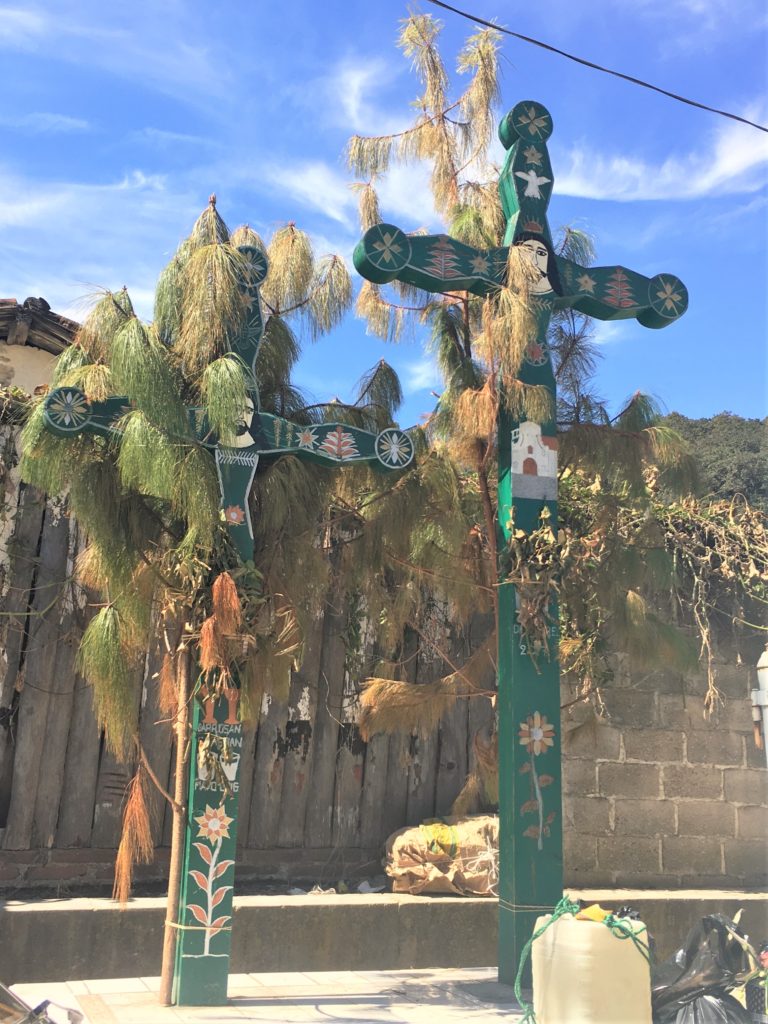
(31, 322)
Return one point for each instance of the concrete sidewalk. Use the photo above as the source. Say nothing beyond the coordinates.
(362, 997)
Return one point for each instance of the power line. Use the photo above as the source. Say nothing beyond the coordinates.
(598, 67)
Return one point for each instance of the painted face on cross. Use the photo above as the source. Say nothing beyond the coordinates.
(539, 252)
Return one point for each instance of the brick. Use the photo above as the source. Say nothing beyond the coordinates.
(706, 818)
(579, 852)
(627, 856)
(694, 781)
(644, 817)
(631, 707)
(653, 745)
(746, 785)
(637, 780)
(594, 741)
(715, 748)
(587, 814)
(753, 822)
(747, 859)
(579, 777)
(691, 856)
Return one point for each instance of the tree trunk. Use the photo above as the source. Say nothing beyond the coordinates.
(177, 837)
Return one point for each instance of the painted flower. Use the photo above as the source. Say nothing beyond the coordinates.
(533, 121)
(387, 248)
(306, 438)
(234, 515)
(214, 824)
(536, 734)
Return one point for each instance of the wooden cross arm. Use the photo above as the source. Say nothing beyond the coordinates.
(436, 263)
(615, 293)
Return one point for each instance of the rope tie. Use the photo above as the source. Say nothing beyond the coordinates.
(198, 927)
(618, 927)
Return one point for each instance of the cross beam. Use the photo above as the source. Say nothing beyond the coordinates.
(204, 925)
(530, 802)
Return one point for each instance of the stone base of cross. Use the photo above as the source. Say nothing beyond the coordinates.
(528, 703)
(204, 925)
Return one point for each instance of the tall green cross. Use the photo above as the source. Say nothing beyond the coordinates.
(530, 803)
(205, 911)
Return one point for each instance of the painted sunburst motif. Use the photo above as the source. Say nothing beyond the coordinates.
(234, 515)
(586, 283)
(537, 734)
(68, 409)
(480, 264)
(214, 824)
(394, 448)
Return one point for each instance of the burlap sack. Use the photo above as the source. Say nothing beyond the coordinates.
(458, 856)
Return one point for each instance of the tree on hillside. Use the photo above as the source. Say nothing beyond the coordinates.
(617, 545)
(731, 453)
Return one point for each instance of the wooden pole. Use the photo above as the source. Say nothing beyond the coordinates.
(178, 835)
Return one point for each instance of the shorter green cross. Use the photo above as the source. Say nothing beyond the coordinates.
(205, 914)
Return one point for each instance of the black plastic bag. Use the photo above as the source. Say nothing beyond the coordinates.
(691, 987)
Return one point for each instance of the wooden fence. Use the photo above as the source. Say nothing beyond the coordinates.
(307, 778)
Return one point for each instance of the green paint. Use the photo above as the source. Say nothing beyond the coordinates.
(530, 802)
(208, 876)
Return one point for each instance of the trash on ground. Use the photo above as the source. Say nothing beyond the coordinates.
(457, 856)
(693, 985)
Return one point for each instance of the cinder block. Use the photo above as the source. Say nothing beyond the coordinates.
(753, 756)
(594, 741)
(706, 818)
(579, 851)
(631, 707)
(653, 745)
(677, 712)
(715, 748)
(587, 814)
(637, 780)
(733, 680)
(627, 857)
(691, 856)
(693, 781)
(753, 822)
(644, 817)
(659, 682)
(747, 859)
(746, 785)
(579, 777)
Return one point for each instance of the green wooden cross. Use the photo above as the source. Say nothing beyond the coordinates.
(205, 912)
(530, 804)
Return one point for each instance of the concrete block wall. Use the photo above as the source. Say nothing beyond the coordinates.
(658, 795)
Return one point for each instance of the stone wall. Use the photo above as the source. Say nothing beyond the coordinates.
(658, 795)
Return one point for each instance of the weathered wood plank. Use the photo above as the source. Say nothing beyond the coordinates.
(319, 818)
(247, 766)
(110, 794)
(350, 760)
(373, 798)
(39, 684)
(299, 741)
(452, 757)
(267, 775)
(155, 733)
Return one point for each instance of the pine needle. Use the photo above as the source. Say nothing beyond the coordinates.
(245, 235)
(291, 268)
(212, 649)
(225, 391)
(140, 370)
(167, 693)
(103, 660)
(102, 324)
(367, 204)
(136, 846)
(213, 306)
(330, 295)
(226, 604)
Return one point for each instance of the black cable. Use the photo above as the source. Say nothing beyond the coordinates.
(598, 67)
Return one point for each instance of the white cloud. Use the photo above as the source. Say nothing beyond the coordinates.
(421, 375)
(608, 332)
(316, 185)
(735, 163)
(17, 25)
(46, 123)
(164, 138)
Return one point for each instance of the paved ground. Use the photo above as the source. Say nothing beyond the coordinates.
(362, 997)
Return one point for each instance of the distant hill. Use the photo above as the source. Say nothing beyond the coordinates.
(731, 452)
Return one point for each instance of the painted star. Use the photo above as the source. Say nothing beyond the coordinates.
(535, 124)
(669, 297)
(586, 284)
(533, 179)
(480, 264)
(532, 155)
(306, 438)
(387, 247)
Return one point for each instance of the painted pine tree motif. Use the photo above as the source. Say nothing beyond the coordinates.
(442, 259)
(339, 444)
(618, 291)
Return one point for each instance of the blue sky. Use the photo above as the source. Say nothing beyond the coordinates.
(118, 120)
